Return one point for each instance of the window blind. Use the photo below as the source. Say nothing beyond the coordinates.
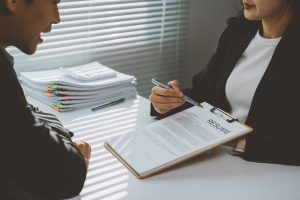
(142, 38)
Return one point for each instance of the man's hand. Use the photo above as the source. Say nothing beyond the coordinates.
(85, 149)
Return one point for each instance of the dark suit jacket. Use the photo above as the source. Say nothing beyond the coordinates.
(275, 110)
(37, 159)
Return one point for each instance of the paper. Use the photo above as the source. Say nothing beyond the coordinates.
(89, 72)
(64, 93)
(175, 138)
(43, 78)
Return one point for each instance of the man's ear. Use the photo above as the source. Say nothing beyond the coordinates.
(10, 5)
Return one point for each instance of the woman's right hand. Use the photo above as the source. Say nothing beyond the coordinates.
(164, 100)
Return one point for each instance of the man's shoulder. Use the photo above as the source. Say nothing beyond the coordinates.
(5, 58)
(6, 63)
(11, 91)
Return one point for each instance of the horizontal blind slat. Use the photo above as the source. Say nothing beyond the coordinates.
(142, 38)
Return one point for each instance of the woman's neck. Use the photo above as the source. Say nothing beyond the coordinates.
(275, 26)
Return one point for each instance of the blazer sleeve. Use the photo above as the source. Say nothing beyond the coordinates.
(276, 135)
(279, 149)
(38, 157)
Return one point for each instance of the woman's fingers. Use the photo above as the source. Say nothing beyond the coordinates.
(164, 100)
(165, 92)
(176, 87)
(165, 104)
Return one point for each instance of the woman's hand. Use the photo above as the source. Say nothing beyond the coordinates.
(164, 100)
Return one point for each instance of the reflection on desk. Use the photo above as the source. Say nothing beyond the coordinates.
(217, 175)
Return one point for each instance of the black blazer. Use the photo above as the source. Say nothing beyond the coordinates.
(37, 159)
(275, 110)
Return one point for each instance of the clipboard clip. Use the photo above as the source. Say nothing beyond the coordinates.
(220, 113)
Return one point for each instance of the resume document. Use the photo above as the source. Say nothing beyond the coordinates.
(176, 138)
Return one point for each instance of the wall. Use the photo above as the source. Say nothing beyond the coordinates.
(207, 22)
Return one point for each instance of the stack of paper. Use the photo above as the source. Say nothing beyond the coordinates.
(65, 91)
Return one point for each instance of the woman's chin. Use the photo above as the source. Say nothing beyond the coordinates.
(250, 16)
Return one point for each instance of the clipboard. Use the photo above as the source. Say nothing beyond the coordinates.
(142, 151)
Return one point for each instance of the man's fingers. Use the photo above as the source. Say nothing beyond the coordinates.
(85, 148)
(88, 150)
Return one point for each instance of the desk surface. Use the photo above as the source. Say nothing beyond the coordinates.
(217, 175)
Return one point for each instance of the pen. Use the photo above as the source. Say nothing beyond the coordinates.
(155, 81)
(104, 105)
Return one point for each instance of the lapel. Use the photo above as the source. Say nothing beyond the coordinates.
(283, 60)
(8, 63)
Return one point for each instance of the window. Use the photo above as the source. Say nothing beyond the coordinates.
(142, 38)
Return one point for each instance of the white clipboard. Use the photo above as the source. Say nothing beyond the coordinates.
(175, 139)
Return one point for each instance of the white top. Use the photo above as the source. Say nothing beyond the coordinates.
(245, 77)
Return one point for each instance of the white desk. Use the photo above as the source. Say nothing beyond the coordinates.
(214, 176)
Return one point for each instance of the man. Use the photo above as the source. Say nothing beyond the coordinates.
(39, 159)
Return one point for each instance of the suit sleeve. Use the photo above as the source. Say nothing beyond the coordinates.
(40, 159)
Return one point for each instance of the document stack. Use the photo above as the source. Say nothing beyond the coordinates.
(89, 85)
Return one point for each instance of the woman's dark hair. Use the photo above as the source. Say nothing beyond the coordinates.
(4, 10)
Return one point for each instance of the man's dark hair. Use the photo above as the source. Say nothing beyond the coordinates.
(4, 10)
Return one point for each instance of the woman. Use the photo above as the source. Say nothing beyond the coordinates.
(254, 76)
